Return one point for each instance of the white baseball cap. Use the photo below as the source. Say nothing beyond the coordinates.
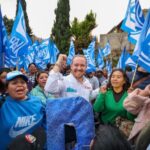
(13, 74)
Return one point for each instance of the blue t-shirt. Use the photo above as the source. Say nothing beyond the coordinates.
(19, 117)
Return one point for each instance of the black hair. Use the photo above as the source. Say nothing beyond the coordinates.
(4, 70)
(2, 87)
(109, 137)
(125, 86)
(37, 76)
(32, 64)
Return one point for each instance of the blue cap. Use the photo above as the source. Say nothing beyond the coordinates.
(90, 70)
(13, 74)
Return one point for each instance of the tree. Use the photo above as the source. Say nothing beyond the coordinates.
(61, 28)
(8, 24)
(82, 30)
(23, 3)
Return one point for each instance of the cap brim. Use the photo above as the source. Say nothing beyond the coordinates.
(25, 78)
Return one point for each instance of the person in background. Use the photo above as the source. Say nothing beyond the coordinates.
(72, 85)
(3, 73)
(100, 76)
(38, 90)
(32, 73)
(93, 79)
(105, 73)
(141, 79)
(20, 113)
(110, 101)
(138, 103)
(23, 71)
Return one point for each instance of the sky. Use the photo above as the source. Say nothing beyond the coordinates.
(41, 15)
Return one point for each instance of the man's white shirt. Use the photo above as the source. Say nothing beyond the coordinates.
(69, 86)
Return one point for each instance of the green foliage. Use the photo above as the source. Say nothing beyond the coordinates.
(8, 24)
(23, 3)
(82, 30)
(61, 28)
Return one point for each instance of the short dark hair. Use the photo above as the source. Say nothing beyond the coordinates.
(126, 85)
(109, 137)
(32, 64)
(4, 70)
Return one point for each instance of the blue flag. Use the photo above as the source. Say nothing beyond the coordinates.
(1, 40)
(19, 40)
(89, 54)
(43, 54)
(130, 62)
(100, 61)
(4, 43)
(71, 53)
(30, 56)
(123, 58)
(144, 45)
(133, 21)
(54, 51)
(106, 50)
(109, 67)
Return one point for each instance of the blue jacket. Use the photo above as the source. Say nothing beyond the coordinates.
(19, 117)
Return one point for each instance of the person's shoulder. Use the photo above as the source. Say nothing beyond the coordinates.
(32, 98)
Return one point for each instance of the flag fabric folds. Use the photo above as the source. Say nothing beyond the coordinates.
(4, 44)
(89, 55)
(133, 21)
(144, 44)
(19, 40)
(109, 67)
(100, 61)
(123, 58)
(71, 53)
(106, 50)
(54, 51)
(130, 62)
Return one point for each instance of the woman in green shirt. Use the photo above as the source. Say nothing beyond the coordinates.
(110, 101)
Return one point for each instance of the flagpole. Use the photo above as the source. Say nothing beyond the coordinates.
(17, 63)
(134, 76)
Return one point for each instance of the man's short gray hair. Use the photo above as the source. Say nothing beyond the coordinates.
(79, 55)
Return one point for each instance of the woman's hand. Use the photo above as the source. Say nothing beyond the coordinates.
(103, 89)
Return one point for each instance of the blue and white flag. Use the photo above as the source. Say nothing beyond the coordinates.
(130, 62)
(43, 54)
(123, 58)
(133, 21)
(89, 55)
(71, 53)
(29, 57)
(109, 67)
(54, 51)
(144, 44)
(4, 44)
(19, 40)
(100, 61)
(1, 40)
(106, 50)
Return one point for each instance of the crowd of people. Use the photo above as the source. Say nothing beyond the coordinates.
(24, 97)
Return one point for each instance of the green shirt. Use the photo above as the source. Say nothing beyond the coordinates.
(109, 108)
(39, 92)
